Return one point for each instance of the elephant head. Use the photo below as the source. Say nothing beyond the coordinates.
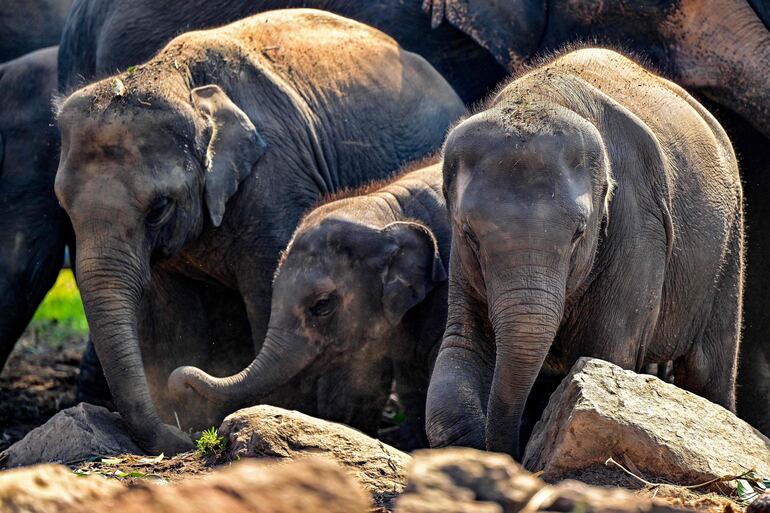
(139, 171)
(340, 292)
(528, 200)
(720, 48)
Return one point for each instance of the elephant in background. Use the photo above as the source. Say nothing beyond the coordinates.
(185, 177)
(33, 228)
(567, 180)
(362, 287)
(30, 25)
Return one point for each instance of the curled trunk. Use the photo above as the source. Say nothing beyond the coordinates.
(282, 357)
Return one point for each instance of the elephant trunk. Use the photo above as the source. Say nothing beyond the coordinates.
(725, 55)
(112, 279)
(282, 357)
(525, 315)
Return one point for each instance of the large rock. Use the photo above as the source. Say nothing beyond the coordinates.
(49, 488)
(471, 481)
(314, 484)
(70, 436)
(663, 432)
(267, 431)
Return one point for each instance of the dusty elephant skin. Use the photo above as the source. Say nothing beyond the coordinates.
(32, 225)
(185, 177)
(361, 286)
(579, 217)
(666, 433)
(101, 36)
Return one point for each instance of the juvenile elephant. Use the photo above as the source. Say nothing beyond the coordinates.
(103, 37)
(33, 228)
(585, 223)
(185, 177)
(361, 286)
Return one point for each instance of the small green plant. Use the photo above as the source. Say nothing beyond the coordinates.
(211, 443)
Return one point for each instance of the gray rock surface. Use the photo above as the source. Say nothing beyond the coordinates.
(72, 435)
(268, 431)
(601, 411)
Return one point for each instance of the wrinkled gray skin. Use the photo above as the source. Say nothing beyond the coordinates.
(33, 227)
(549, 263)
(719, 48)
(186, 177)
(29, 25)
(361, 287)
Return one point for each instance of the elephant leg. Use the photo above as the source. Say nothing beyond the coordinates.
(709, 369)
(457, 399)
(546, 384)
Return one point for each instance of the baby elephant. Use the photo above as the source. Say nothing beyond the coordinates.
(360, 291)
(596, 210)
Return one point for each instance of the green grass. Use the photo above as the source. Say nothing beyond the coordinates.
(211, 443)
(60, 316)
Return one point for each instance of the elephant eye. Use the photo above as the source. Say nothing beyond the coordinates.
(159, 211)
(468, 233)
(581, 230)
(324, 306)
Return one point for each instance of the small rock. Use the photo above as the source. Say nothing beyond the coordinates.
(268, 431)
(314, 484)
(48, 488)
(471, 481)
(465, 480)
(661, 431)
(760, 505)
(72, 435)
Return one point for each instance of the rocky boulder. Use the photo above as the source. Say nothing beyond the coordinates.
(268, 431)
(601, 411)
(471, 481)
(72, 435)
(313, 484)
(49, 488)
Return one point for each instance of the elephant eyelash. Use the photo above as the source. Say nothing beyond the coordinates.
(581, 230)
(159, 212)
(324, 306)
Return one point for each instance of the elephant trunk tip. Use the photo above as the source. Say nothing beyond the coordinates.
(185, 380)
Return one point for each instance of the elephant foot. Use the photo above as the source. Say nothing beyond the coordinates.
(167, 440)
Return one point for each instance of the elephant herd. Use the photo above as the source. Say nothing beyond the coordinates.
(453, 199)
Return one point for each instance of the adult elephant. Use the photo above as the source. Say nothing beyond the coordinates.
(185, 177)
(103, 37)
(32, 225)
(30, 25)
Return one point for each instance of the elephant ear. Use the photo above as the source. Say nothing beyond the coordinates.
(414, 268)
(2, 152)
(510, 30)
(233, 148)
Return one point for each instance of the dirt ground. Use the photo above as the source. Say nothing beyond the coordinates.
(38, 380)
